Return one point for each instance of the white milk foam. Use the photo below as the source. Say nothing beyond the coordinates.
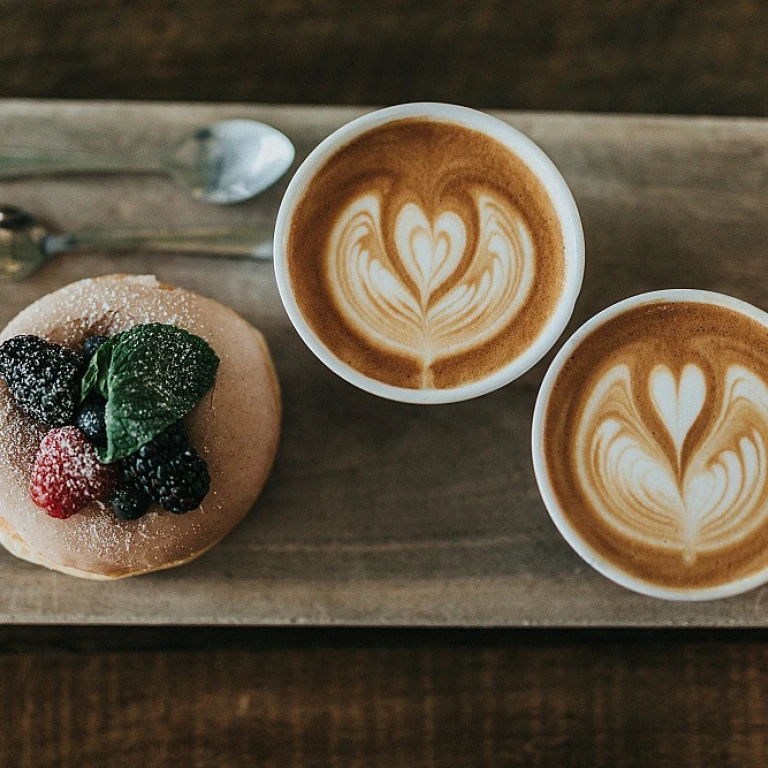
(704, 500)
(428, 298)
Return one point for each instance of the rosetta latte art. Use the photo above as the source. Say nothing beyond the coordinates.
(430, 299)
(693, 500)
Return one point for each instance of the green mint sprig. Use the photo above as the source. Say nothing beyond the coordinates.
(151, 376)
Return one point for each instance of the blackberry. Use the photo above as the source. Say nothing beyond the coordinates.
(92, 344)
(129, 502)
(92, 421)
(43, 379)
(170, 471)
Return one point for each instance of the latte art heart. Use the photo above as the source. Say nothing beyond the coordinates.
(678, 403)
(429, 297)
(654, 440)
(426, 255)
(696, 502)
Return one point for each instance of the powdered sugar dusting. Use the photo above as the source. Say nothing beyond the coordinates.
(67, 475)
(109, 310)
(21, 439)
(234, 427)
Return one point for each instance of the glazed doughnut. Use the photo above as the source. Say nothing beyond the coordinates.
(235, 427)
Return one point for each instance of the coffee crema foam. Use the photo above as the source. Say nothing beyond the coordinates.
(657, 428)
(426, 255)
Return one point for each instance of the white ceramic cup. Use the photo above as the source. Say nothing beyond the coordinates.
(569, 533)
(525, 149)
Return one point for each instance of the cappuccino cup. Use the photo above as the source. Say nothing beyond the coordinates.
(428, 253)
(650, 444)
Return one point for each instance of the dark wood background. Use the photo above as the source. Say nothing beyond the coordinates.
(231, 697)
(674, 56)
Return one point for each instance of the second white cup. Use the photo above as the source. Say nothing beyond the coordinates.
(650, 444)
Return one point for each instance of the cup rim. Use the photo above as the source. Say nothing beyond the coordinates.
(543, 480)
(531, 154)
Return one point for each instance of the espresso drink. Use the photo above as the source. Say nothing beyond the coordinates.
(426, 255)
(656, 443)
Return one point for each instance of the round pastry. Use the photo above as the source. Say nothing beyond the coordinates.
(207, 468)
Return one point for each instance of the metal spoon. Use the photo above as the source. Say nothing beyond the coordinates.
(26, 245)
(227, 162)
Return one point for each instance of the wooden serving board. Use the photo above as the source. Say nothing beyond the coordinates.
(379, 513)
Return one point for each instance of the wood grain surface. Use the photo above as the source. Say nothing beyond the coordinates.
(622, 55)
(380, 513)
(222, 699)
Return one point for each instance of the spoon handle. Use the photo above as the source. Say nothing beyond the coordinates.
(254, 242)
(16, 163)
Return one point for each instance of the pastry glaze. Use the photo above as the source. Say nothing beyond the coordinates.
(235, 428)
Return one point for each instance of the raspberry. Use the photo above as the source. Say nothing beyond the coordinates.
(67, 475)
(170, 471)
(43, 379)
(129, 502)
(91, 420)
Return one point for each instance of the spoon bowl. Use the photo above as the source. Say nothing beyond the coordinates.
(231, 161)
(20, 237)
(226, 162)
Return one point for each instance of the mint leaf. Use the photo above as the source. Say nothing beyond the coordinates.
(152, 376)
(96, 374)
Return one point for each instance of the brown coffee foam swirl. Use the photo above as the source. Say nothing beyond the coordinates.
(425, 254)
(659, 433)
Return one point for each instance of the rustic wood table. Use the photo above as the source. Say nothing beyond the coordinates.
(214, 696)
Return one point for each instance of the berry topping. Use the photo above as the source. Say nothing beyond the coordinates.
(92, 344)
(67, 475)
(91, 420)
(43, 379)
(170, 471)
(129, 502)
